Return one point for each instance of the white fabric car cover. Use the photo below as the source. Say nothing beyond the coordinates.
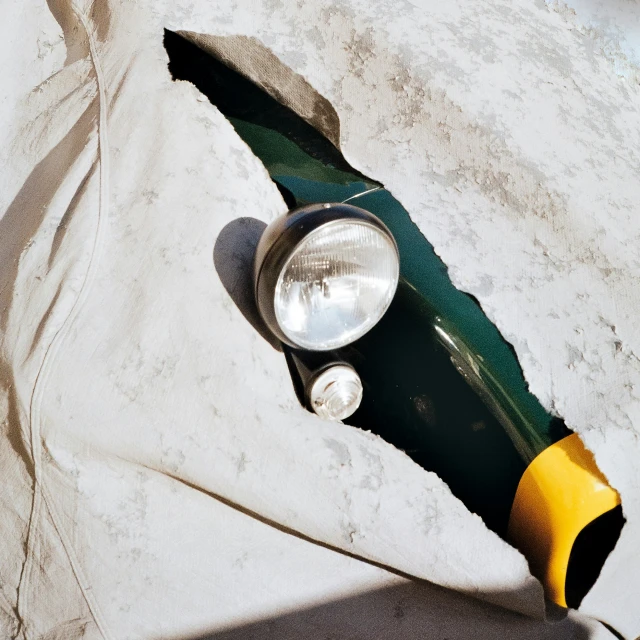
(160, 479)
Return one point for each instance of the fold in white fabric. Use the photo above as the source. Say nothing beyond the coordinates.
(159, 476)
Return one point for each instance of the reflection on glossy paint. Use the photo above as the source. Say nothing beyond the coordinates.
(472, 368)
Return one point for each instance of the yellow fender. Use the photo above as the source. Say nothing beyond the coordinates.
(559, 494)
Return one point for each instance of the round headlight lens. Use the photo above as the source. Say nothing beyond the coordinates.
(336, 284)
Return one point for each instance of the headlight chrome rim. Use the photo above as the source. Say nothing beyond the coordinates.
(279, 244)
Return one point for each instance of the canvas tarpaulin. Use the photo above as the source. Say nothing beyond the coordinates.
(159, 476)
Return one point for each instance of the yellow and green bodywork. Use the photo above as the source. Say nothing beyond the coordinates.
(439, 380)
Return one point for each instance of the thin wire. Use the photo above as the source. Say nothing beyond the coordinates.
(364, 193)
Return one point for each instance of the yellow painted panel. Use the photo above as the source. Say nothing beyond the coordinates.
(560, 493)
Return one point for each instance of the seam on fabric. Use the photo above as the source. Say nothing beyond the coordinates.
(40, 493)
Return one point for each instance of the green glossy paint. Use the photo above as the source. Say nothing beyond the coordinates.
(433, 349)
(439, 380)
(484, 349)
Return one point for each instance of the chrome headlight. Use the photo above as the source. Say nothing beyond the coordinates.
(324, 275)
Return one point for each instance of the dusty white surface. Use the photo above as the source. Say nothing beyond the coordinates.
(171, 462)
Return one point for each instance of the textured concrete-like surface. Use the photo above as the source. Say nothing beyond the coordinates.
(159, 477)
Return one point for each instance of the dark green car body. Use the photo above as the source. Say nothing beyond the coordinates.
(439, 380)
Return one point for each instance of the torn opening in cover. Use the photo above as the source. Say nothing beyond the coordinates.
(249, 57)
(485, 455)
